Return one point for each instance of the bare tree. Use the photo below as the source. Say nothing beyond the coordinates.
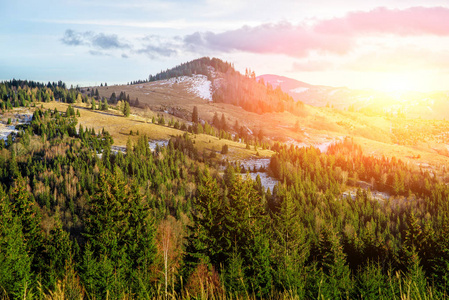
(169, 245)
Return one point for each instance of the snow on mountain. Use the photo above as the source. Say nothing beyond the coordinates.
(197, 84)
(299, 90)
(333, 92)
(201, 87)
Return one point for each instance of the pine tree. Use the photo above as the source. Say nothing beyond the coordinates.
(113, 98)
(206, 242)
(332, 260)
(195, 115)
(223, 124)
(23, 208)
(13, 166)
(58, 253)
(440, 272)
(224, 149)
(105, 106)
(371, 283)
(290, 245)
(120, 232)
(216, 121)
(15, 263)
(234, 276)
(126, 109)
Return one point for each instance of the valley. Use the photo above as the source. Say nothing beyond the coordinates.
(233, 173)
(224, 150)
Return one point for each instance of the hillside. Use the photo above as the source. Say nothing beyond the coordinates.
(413, 104)
(379, 132)
(183, 197)
(285, 83)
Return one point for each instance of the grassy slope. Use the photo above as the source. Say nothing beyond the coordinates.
(119, 127)
(314, 121)
(316, 125)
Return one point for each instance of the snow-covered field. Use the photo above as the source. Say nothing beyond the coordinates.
(249, 164)
(23, 118)
(267, 181)
(299, 90)
(6, 130)
(151, 145)
(322, 146)
(201, 87)
(161, 143)
(376, 195)
(116, 149)
(296, 143)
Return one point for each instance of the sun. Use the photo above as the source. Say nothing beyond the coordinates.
(397, 84)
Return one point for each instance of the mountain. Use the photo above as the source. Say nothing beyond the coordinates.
(282, 109)
(232, 87)
(413, 104)
(316, 95)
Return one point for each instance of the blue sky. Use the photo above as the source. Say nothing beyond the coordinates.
(362, 44)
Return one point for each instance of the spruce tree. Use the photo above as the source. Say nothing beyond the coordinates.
(15, 263)
(195, 115)
(290, 246)
(120, 234)
(126, 109)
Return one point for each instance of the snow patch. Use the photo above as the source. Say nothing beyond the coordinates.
(331, 93)
(154, 143)
(296, 143)
(321, 146)
(299, 90)
(249, 130)
(116, 149)
(249, 164)
(267, 181)
(259, 164)
(6, 130)
(324, 146)
(18, 119)
(199, 85)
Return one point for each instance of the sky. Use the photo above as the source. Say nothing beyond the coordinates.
(384, 44)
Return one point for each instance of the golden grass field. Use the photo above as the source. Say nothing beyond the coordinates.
(119, 127)
(313, 122)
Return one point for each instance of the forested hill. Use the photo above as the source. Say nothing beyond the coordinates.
(15, 93)
(200, 66)
(232, 87)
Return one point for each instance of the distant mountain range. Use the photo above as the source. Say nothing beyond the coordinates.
(412, 104)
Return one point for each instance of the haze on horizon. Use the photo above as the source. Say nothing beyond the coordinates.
(387, 45)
